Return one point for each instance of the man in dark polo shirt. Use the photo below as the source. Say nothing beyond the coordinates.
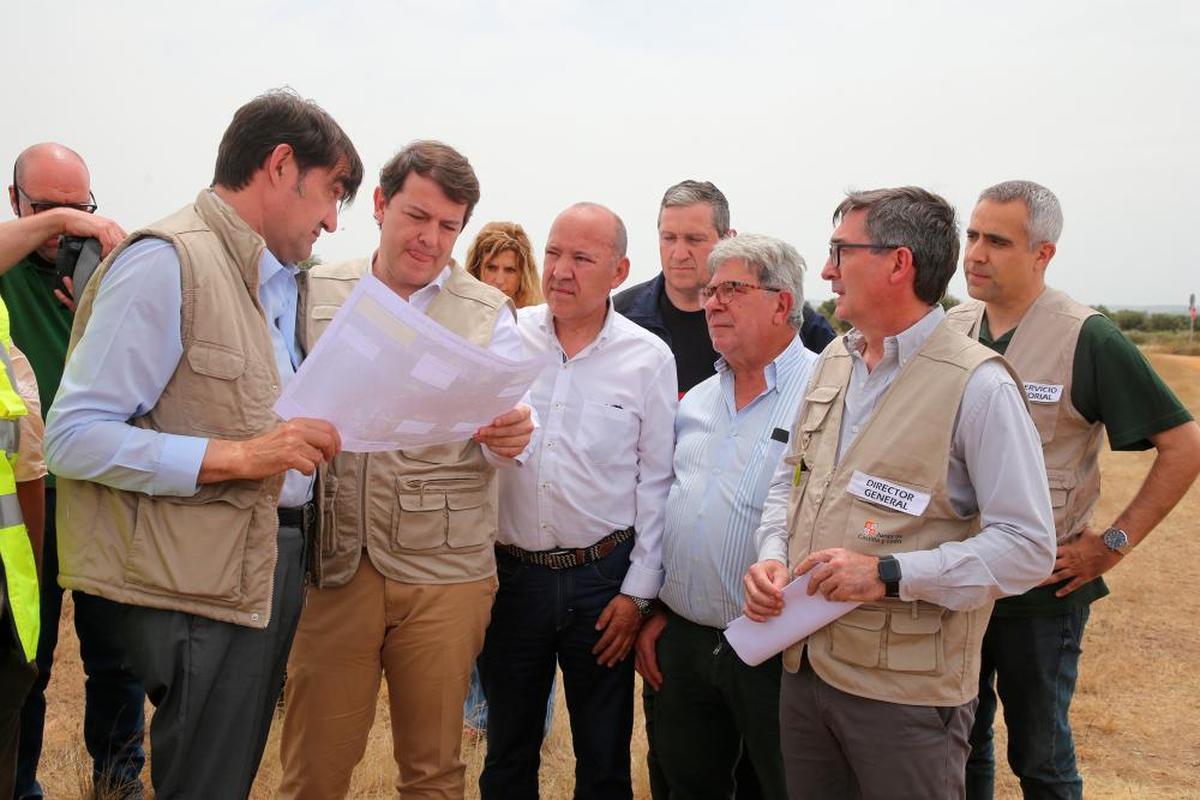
(692, 218)
(51, 194)
(1083, 378)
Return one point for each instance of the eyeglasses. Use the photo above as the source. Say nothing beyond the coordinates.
(836, 248)
(39, 206)
(725, 291)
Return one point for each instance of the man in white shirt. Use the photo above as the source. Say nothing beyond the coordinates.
(578, 553)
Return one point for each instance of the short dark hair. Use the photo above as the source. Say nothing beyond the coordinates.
(277, 117)
(912, 217)
(689, 193)
(439, 162)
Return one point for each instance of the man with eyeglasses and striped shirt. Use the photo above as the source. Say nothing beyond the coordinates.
(732, 429)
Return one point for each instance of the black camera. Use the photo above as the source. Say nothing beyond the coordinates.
(77, 259)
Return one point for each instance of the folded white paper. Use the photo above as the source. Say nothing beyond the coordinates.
(755, 642)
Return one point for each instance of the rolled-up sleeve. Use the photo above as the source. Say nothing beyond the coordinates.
(117, 372)
(30, 463)
(997, 448)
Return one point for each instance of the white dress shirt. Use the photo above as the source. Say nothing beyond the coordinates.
(996, 468)
(601, 460)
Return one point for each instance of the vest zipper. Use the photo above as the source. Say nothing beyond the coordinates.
(363, 543)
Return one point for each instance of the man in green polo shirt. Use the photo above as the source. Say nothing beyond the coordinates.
(51, 196)
(1082, 378)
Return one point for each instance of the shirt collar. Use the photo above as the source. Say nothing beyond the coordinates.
(787, 358)
(904, 345)
(547, 326)
(269, 266)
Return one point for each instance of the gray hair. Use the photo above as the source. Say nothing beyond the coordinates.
(912, 217)
(1044, 220)
(774, 262)
(689, 193)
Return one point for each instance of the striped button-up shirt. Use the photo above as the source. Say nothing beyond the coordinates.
(724, 460)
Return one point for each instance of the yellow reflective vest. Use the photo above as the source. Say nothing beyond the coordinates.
(18, 570)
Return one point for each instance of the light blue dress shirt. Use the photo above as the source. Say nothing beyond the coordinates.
(724, 461)
(125, 359)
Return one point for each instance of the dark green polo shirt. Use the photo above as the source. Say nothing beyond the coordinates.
(1111, 383)
(41, 325)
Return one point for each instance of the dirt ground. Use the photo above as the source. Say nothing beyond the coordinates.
(1136, 714)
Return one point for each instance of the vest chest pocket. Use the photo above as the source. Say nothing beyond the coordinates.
(216, 401)
(1043, 410)
(817, 405)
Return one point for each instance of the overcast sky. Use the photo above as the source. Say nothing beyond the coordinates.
(783, 106)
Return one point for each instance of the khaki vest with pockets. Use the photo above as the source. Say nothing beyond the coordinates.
(211, 554)
(1042, 351)
(426, 515)
(914, 653)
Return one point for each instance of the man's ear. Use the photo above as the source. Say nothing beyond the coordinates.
(787, 302)
(622, 271)
(902, 268)
(14, 201)
(279, 164)
(1045, 252)
(730, 234)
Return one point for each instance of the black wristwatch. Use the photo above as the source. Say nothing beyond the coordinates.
(889, 573)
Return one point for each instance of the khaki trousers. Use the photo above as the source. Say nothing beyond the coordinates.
(424, 638)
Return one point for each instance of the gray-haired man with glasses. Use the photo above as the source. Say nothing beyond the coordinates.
(731, 430)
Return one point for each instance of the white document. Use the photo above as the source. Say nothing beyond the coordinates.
(755, 642)
(388, 377)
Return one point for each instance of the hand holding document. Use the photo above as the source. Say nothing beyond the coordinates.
(755, 642)
(388, 377)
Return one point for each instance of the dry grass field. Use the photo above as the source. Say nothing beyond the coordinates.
(1136, 713)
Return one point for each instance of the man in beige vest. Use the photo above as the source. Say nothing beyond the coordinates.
(405, 569)
(1083, 377)
(912, 486)
(182, 498)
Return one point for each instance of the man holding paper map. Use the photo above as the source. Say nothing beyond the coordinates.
(405, 567)
(710, 709)
(914, 486)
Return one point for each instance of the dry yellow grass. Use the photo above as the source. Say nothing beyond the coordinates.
(1136, 714)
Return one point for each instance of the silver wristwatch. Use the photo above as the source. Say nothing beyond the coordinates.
(644, 606)
(1116, 540)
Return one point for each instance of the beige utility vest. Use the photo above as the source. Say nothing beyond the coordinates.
(1042, 351)
(213, 553)
(914, 653)
(427, 515)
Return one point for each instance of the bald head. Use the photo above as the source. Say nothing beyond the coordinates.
(48, 156)
(620, 239)
(48, 173)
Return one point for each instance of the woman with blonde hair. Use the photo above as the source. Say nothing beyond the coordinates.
(502, 256)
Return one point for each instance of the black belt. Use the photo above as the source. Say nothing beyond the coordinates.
(567, 557)
(298, 516)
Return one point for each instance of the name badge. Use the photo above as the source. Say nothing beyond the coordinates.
(1043, 392)
(885, 493)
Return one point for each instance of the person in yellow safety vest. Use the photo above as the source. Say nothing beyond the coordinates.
(19, 618)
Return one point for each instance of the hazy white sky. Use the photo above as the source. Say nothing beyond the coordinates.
(783, 106)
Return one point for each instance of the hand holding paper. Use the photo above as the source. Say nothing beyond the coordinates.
(802, 613)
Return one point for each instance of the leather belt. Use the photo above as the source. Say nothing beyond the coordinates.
(567, 557)
(298, 516)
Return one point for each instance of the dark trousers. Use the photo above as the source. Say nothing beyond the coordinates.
(542, 616)
(748, 787)
(113, 717)
(1033, 662)
(839, 745)
(16, 677)
(712, 712)
(214, 686)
